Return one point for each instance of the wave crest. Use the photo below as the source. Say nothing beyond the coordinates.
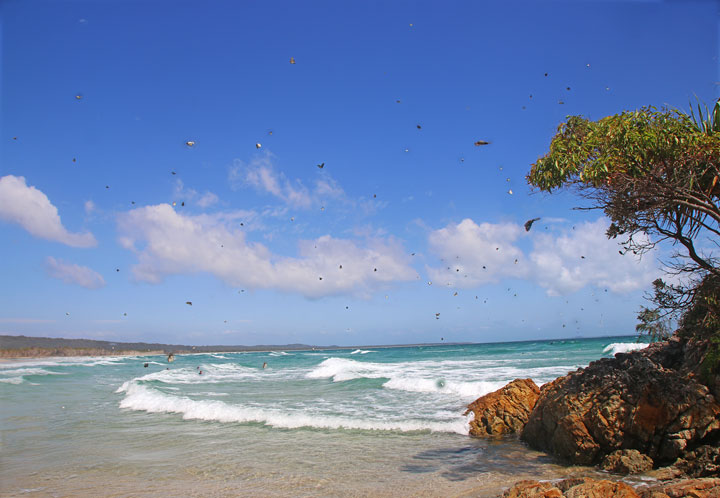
(142, 398)
(624, 347)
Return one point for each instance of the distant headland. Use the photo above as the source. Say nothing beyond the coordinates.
(20, 346)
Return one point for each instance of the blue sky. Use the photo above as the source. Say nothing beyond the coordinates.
(110, 223)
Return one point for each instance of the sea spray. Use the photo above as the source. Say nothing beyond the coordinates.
(624, 347)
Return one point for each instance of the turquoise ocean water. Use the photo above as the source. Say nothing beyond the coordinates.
(342, 422)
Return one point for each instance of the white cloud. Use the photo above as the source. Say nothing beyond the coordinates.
(74, 274)
(262, 175)
(89, 207)
(585, 256)
(207, 200)
(181, 193)
(32, 210)
(475, 254)
(168, 243)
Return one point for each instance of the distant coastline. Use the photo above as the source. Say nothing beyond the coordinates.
(35, 352)
(20, 346)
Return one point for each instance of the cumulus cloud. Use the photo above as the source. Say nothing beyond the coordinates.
(585, 256)
(167, 242)
(74, 274)
(475, 254)
(31, 209)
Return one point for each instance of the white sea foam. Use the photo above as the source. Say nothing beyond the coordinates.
(279, 353)
(465, 390)
(142, 398)
(12, 380)
(362, 351)
(17, 375)
(463, 379)
(624, 347)
(211, 373)
(219, 356)
(342, 369)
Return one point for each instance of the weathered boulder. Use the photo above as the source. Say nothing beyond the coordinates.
(641, 400)
(686, 488)
(592, 488)
(505, 410)
(701, 462)
(533, 489)
(626, 462)
(584, 487)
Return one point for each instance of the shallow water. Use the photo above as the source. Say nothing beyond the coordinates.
(314, 423)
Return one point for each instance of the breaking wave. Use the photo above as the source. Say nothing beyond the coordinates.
(624, 347)
(142, 398)
(448, 377)
(17, 375)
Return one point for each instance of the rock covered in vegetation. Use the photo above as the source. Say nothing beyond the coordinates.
(504, 411)
(643, 400)
(626, 462)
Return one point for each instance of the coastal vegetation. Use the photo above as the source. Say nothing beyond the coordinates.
(656, 175)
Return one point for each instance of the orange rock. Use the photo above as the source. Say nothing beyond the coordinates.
(533, 489)
(626, 462)
(644, 400)
(505, 410)
(690, 488)
(601, 489)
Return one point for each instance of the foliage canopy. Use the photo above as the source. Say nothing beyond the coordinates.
(656, 175)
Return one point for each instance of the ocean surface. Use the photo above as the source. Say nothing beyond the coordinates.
(340, 422)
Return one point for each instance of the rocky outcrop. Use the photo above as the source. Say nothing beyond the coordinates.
(571, 488)
(592, 488)
(647, 400)
(504, 411)
(626, 462)
(533, 489)
(701, 462)
(686, 488)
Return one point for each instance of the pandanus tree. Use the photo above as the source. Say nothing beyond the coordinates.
(656, 175)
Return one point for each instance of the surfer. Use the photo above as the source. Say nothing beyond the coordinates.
(264, 364)
(171, 358)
